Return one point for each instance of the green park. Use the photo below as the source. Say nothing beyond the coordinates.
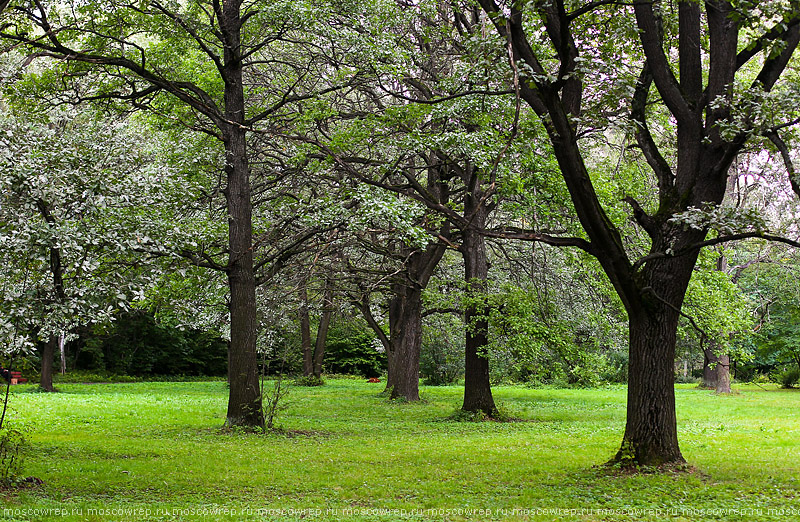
(399, 260)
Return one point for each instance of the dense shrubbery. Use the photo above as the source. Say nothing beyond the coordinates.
(135, 344)
(353, 350)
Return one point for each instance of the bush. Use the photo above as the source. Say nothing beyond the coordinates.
(135, 344)
(310, 380)
(354, 351)
(11, 457)
(789, 377)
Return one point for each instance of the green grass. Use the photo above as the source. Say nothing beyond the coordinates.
(114, 451)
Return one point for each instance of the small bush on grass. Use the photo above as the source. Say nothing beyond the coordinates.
(789, 377)
(309, 380)
(12, 442)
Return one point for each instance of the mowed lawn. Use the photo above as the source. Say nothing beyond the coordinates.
(155, 451)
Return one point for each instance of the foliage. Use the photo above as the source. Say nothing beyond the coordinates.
(788, 377)
(135, 344)
(80, 196)
(354, 350)
(530, 343)
(12, 445)
(441, 359)
(309, 381)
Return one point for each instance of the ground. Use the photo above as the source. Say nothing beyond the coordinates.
(155, 451)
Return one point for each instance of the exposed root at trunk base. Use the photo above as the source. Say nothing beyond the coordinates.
(616, 468)
(633, 459)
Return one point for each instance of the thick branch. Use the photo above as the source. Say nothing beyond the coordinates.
(662, 170)
(530, 235)
(787, 159)
(665, 80)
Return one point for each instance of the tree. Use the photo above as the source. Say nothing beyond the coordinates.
(71, 182)
(714, 114)
(201, 65)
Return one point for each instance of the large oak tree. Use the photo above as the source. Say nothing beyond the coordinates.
(710, 65)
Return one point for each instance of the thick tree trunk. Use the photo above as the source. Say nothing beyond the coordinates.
(724, 374)
(322, 331)
(477, 388)
(244, 400)
(710, 360)
(405, 312)
(651, 433)
(305, 334)
(48, 354)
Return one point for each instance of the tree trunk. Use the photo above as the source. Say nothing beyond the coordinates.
(62, 353)
(405, 316)
(724, 374)
(305, 333)
(651, 432)
(322, 331)
(244, 400)
(48, 354)
(477, 388)
(709, 369)
(716, 370)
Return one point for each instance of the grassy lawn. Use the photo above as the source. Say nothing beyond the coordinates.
(119, 451)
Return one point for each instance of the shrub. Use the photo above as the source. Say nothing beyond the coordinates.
(309, 380)
(135, 344)
(12, 443)
(441, 360)
(353, 351)
(789, 377)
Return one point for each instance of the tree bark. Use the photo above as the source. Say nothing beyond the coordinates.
(405, 317)
(305, 333)
(322, 331)
(244, 400)
(477, 387)
(716, 369)
(48, 354)
(709, 370)
(651, 433)
(724, 374)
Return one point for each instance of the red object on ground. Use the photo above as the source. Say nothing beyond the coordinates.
(17, 378)
(373, 379)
